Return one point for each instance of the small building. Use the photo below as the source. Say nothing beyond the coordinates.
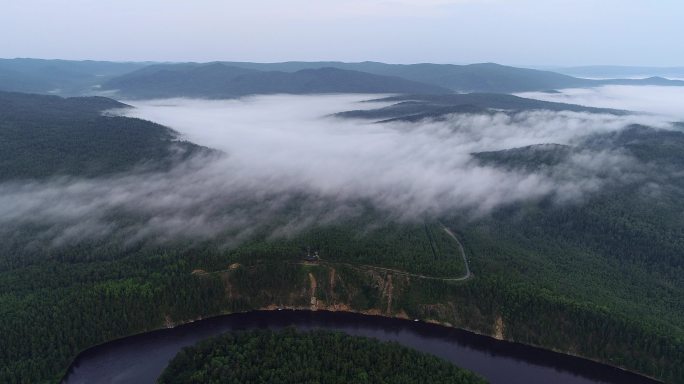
(312, 258)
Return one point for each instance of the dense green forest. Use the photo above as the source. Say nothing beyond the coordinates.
(622, 248)
(600, 278)
(416, 248)
(61, 306)
(48, 136)
(288, 356)
(80, 295)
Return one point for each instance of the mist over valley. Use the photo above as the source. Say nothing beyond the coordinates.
(380, 169)
(266, 153)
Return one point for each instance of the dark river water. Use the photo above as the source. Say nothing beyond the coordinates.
(142, 358)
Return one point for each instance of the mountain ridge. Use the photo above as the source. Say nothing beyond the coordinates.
(216, 80)
(478, 77)
(71, 78)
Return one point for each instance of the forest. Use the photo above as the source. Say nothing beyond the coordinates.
(288, 356)
(42, 136)
(601, 278)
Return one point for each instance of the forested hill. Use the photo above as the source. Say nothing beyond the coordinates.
(288, 356)
(17, 105)
(417, 107)
(48, 135)
(218, 80)
(480, 77)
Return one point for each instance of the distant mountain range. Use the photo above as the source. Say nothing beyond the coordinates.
(218, 80)
(237, 79)
(234, 79)
(63, 77)
(615, 71)
(484, 77)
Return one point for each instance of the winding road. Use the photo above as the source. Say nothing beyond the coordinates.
(468, 274)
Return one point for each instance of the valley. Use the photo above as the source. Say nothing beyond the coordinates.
(538, 222)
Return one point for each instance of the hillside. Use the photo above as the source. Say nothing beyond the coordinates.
(48, 135)
(625, 242)
(218, 80)
(418, 107)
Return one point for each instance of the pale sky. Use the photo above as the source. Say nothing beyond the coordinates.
(522, 32)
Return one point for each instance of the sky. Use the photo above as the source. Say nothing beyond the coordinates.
(515, 32)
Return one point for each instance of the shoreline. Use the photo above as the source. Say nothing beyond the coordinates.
(367, 313)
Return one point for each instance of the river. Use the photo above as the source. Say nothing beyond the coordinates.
(142, 358)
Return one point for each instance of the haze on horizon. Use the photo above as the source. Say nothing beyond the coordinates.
(514, 32)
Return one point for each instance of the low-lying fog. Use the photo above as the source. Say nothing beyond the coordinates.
(667, 102)
(279, 148)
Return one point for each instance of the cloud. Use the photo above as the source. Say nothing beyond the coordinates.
(662, 101)
(289, 165)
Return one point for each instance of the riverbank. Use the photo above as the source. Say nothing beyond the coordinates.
(502, 360)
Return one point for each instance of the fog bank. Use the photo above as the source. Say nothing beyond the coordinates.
(289, 165)
(667, 102)
(283, 143)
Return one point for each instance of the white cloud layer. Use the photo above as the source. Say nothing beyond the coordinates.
(667, 102)
(281, 149)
